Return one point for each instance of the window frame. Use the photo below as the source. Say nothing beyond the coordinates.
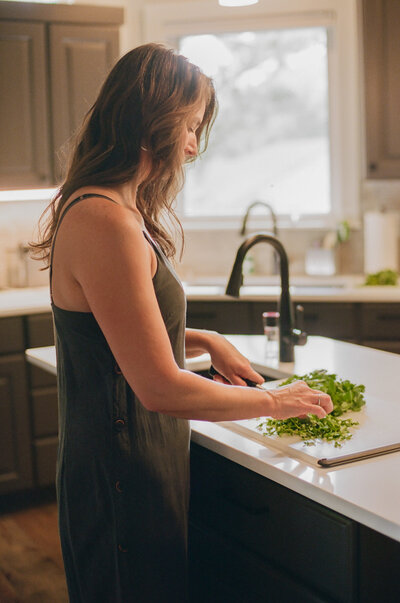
(167, 22)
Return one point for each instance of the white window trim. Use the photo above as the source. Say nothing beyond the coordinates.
(167, 21)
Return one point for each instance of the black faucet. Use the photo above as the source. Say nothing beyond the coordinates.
(288, 335)
(274, 226)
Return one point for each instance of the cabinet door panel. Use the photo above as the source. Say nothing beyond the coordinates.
(224, 317)
(379, 567)
(15, 448)
(40, 378)
(81, 57)
(24, 147)
(382, 87)
(380, 321)
(40, 330)
(280, 526)
(329, 319)
(45, 412)
(221, 571)
(11, 335)
(46, 458)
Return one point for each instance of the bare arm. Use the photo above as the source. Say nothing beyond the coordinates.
(111, 261)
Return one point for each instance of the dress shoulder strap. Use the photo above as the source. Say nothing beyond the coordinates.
(73, 202)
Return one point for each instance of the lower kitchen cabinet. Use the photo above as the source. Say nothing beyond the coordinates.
(254, 540)
(28, 406)
(220, 316)
(228, 573)
(44, 403)
(370, 324)
(15, 441)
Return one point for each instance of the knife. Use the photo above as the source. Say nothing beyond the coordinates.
(213, 371)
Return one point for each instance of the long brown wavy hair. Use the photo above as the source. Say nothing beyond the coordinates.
(145, 101)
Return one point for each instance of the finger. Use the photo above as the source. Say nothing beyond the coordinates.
(254, 376)
(319, 411)
(220, 379)
(236, 380)
(323, 400)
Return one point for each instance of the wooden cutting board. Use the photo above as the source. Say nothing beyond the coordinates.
(378, 433)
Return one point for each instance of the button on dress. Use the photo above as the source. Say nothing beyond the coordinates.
(122, 471)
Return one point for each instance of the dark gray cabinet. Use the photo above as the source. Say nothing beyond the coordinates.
(43, 402)
(381, 26)
(28, 406)
(220, 316)
(53, 59)
(253, 540)
(380, 326)
(16, 470)
(373, 325)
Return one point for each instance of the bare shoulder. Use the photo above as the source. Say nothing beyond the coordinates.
(98, 227)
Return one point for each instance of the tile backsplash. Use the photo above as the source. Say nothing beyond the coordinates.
(18, 226)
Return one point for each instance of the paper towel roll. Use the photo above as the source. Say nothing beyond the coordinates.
(381, 235)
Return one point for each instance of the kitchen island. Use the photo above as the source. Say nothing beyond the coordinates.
(304, 532)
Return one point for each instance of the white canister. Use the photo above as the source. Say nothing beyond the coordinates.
(381, 238)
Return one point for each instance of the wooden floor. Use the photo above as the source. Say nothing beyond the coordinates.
(31, 566)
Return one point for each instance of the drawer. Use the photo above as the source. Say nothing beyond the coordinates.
(45, 412)
(280, 526)
(224, 317)
(380, 321)
(40, 330)
(45, 450)
(40, 378)
(379, 567)
(12, 335)
(221, 571)
(330, 319)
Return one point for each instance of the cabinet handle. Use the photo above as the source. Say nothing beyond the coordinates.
(251, 509)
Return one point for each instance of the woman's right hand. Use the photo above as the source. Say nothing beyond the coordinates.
(298, 400)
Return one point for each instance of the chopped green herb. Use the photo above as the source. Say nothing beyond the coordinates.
(345, 397)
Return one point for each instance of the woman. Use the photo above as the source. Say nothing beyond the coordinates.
(119, 317)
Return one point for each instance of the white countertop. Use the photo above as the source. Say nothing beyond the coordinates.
(367, 491)
(336, 288)
(32, 300)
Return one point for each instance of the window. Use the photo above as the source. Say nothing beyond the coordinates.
(287, 128)
(271, 138)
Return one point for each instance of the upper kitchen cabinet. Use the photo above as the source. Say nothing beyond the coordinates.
(381, 24)
(81, 56)
(53, 59)
(24, 143)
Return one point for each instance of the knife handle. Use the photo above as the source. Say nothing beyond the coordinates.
(213, 371)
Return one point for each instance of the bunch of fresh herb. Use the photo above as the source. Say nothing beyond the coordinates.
(345, 397)
(384, 277)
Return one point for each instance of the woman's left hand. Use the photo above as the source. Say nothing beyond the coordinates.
(231, 365)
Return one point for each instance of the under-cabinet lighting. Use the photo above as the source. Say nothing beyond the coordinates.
(37, 194)
(236, 2)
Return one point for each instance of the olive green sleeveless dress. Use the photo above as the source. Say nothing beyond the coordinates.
(122, 471)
